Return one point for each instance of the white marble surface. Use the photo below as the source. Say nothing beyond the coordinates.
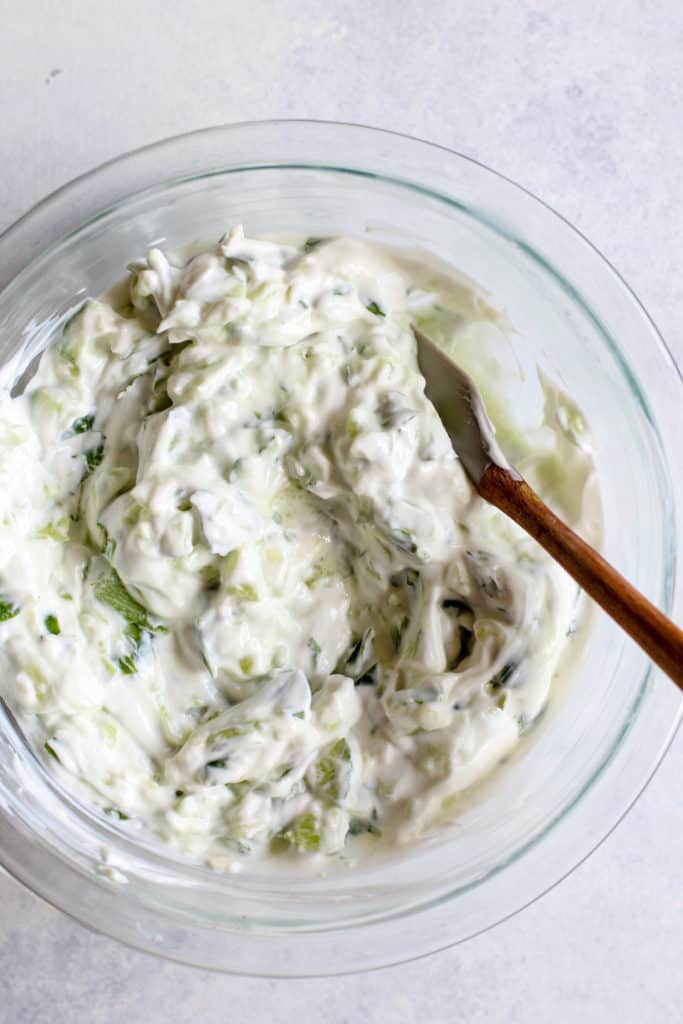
(583, 103)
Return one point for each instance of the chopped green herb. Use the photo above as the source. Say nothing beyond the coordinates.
(114, 812)
(93, 458)
(500, 678)
(110, 590)
(312, 243)
(83, 424)
(52, 625)
(128, 665)
(8, 610)
(51, 750)
(136, 637)
(373, 307)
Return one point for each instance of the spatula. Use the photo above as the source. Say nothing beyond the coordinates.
(459, 404)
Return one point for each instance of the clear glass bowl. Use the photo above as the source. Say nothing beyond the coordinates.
(597, 744)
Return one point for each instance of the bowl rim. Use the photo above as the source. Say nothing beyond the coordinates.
(668, 583)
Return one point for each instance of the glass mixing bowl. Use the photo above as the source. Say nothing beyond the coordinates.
(597, 744)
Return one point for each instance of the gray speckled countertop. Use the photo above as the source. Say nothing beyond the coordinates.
(581, 102)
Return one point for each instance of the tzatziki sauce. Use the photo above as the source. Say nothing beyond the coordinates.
(250, 604)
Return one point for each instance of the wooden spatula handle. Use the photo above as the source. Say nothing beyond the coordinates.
(660, 638)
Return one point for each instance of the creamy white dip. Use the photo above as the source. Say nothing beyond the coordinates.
(250, 602)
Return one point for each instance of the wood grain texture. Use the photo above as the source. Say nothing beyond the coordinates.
(660, 638)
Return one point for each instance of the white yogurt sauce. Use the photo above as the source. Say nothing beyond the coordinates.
(250, 602)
